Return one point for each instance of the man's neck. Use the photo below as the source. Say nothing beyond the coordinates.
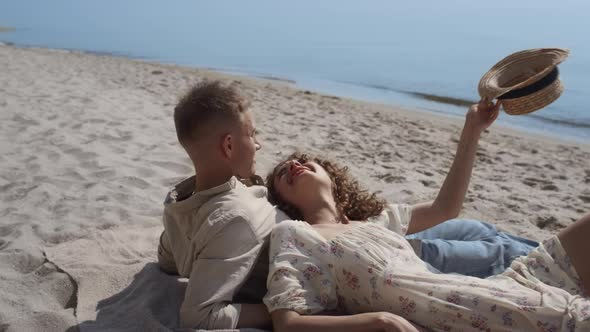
(207, 179)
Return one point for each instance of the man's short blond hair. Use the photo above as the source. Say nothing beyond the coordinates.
(204, 106)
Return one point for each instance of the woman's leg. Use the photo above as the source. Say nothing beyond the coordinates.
(470, 247)
(457, 229)
(575, 239)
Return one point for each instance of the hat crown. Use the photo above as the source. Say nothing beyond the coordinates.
(522, 69)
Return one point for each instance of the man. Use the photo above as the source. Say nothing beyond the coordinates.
(215, 227)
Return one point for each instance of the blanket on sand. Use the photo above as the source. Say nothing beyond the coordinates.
(119, 285)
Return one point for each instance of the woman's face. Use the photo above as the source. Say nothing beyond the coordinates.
(301, 183)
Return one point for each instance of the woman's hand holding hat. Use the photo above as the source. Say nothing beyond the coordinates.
(481, 116)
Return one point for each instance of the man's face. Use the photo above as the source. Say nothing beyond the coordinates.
(244, 147)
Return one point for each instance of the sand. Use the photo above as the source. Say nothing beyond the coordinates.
(88, 152)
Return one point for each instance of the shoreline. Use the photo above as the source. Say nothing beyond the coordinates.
(437, 99)
(346, 109)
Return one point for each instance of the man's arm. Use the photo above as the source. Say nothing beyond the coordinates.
(217, 274)
(449, 200)
(165, 257)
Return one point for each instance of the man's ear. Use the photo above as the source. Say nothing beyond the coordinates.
(226, 146)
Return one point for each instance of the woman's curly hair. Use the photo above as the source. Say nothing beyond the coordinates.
(355, 202)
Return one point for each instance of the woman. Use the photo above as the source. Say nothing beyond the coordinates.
(335, 262)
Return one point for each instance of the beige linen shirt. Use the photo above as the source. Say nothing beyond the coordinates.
(215, 238)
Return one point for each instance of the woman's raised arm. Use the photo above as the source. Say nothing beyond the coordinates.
(449, 201)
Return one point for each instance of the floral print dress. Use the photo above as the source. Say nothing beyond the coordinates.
(371, 267)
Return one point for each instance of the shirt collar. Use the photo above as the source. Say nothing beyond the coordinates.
(176, 197)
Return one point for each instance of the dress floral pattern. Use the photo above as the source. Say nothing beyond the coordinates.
(372, 267)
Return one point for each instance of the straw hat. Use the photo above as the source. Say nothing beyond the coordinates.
(525, 81)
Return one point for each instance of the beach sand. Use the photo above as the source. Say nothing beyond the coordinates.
(88, 152)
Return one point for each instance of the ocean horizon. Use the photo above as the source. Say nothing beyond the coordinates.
(425, 56)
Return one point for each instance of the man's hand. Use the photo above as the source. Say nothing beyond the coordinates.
(481, 116)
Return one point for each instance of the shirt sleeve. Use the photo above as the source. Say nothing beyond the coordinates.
(165, 257)
(217, 274)
(398, 217)
(297, 280)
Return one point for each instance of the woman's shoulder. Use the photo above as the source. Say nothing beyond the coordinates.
(288, 226)
(392, 209)
(291, 235)
(398, 209)
(396, 217)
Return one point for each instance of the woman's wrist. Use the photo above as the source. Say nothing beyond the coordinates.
(383, 321)
(377, 321)
(471, 131)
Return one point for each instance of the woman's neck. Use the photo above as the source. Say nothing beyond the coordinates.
(323, 213)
